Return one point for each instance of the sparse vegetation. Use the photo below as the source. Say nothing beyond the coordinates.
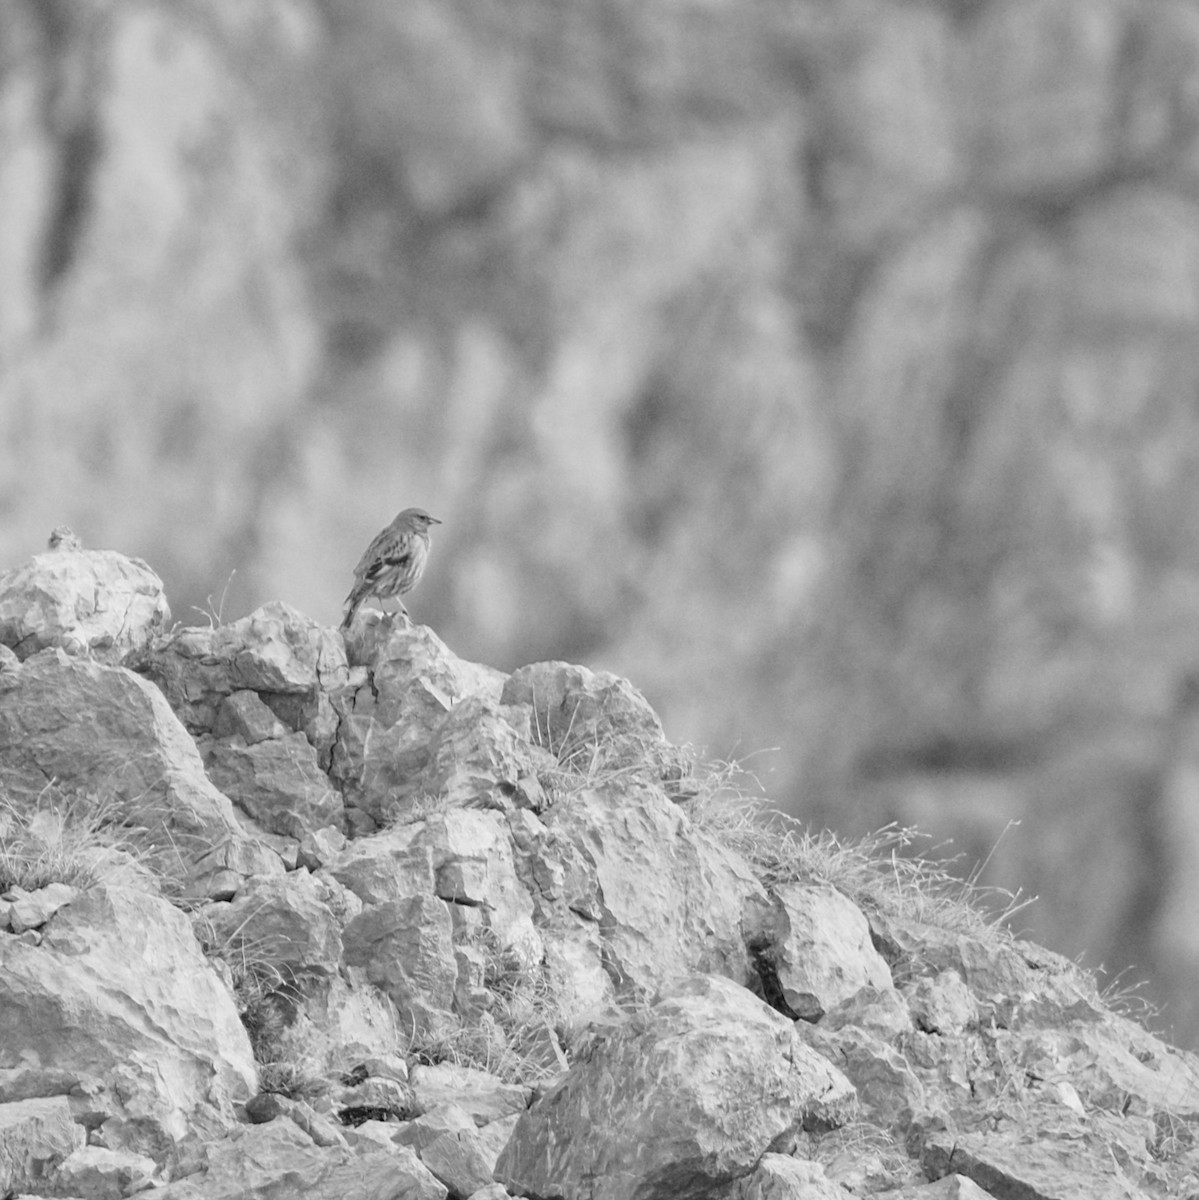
(76, 840)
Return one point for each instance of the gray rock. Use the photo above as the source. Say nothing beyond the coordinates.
(102, 1174)
(693, 1091)
(29, 910)
(36, 1136)
(460, 1160)
(482, 1096)
(93, 602)
(119, 992)
(818, 943)
(779, 1177)
(277, 781)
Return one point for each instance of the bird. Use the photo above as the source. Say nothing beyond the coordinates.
(63, 537)
(393, 562)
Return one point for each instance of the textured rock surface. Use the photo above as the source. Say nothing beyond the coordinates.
(36, 1136)
(85, 601)
(118, 1001)
(692, 1093)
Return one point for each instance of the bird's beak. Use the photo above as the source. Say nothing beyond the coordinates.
(434, 521)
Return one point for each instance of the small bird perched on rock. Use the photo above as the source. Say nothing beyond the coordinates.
(393, 562)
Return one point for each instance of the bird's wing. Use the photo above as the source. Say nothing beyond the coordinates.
(388, 550)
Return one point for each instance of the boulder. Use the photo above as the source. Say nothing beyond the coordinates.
(692, 1093)
(36, 1136)
(86, 602)
(119, 1005)
(481, 1095)
(106, 737)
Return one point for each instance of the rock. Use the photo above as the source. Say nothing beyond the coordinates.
(667, 900)
(245, 715)
(107, 735)
(320, 846)
(817, 951)
(591, 721)
(36, 1136)
(780, 1177)
(407, 951)
(393, 864)
(431, 1124)
(30, 910)
(268, 1162)
(942, 1004)
(692, 1092)
(460, 1160)
(290, 662)
(93, 602)
(382, 1098)
(493, 1191)
(881, 1011)
(119, 992)
(277, 781)
(287, 921)
(482, 1096)
(101, 1174)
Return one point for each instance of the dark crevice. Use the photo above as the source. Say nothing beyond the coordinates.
(769, 987)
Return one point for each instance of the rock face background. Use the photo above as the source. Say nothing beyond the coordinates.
(828, 367)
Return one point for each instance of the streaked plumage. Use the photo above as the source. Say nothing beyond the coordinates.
(393, 562)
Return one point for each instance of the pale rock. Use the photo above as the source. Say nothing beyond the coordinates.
(269, 1162)
(495, 1135)
(246, 715)
(588, 719)
(460, 1161)
(221, 871)
(288, 921)
(668, 900)
(291, 662)
(493, 1191)
(119, 992)
(817, 942)
(942, 1003)
(881, 1011)
(407, 951)
(692, 1092)
(888, 1089)
(107, 733)
(780, 1177)
(318, 847)
(481, 1095)
(29, 910)
(393, 864)
(102, 1174)
(277, 781)
(477, 757)
(574, 967)
(93, 602)
(431, 1124)
(386, 1066)
(36, 1136)
(376, 1095)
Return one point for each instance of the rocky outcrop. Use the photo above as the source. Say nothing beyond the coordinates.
(455, 934)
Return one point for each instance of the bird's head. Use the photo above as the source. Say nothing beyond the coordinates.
(416, 518)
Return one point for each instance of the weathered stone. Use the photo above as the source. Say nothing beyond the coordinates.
(881, 1011)
(484, 1097)
(390, 865)
(244, 714)
(288, 660)
(588, 719)
(320, 846)
(668, 900)
(268, 1162)
(431, 1124)
(277, 781)
(102, 1174)
(817, 943)
(105, 733)
(118, 991)
(780, 1177)
(380, 1095)
(942, 1004)
(94, 602)
(406, 948)
(28, 910)
(692, 1093)
(288, 922)
(459, 1160)
(36, 1136)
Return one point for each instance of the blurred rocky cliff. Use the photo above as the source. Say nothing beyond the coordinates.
(830, 367)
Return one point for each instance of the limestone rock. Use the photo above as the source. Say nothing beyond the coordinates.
(481, 1095)
(780, 1177)
(289, 661)
(118, 992)
(276, 780)
(30, 910)
(667, 899)
(692, 1093)
(36, 1136)
(105, 733)
(268, 1162)
(817, 943)
(460, 1160)
(102, 1174)
(94, 602)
